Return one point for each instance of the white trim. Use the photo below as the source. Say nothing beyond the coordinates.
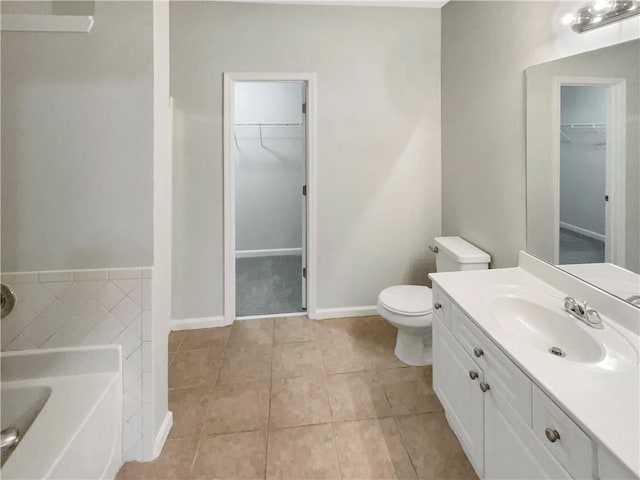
(154, 396)
(194, 323)
(268, 252)
(583, 231)
(273, 315)
(229, 183)
(47, 23)
(345, 312)
(163, 433)
(615, 238)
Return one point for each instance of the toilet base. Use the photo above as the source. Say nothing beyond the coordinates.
(414, 347)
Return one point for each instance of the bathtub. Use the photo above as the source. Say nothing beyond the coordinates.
(67, 405)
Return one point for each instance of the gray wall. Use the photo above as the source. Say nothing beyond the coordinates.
(486, 46)
(269, 175)
(378, 72)
(77, 144)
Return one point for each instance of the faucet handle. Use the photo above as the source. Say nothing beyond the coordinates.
(593, 318)
(569, 303)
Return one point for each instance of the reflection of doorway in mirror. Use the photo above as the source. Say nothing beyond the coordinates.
(590, 170)
(583, 158)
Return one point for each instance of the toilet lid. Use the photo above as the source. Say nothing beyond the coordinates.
(407, 299)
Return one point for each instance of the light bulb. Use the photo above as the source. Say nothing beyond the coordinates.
(598, 7)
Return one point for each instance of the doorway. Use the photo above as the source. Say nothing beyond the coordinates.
(268, 177)
(590, 171)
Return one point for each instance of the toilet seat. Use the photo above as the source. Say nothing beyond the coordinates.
(408, 300)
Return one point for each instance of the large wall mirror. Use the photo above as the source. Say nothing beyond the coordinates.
(583, 166)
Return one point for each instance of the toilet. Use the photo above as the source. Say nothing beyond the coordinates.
(408, 307)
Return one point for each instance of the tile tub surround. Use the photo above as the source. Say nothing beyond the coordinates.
(295, 398)
(88, 307)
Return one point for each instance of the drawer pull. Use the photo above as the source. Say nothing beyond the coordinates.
(478, 352)
(552, 435)
(437, 306)
(484, 386)
(473, 375)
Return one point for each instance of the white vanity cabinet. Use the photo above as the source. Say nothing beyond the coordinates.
(457, 388)
(488, 403)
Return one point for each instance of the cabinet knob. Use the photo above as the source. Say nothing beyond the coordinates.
(552, 435)
(473, 375)
(437, 306)
(484, 386)
(478, 352)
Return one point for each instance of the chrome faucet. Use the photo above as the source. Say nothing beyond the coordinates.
(634, 300)
(9, 438)
(583, 313)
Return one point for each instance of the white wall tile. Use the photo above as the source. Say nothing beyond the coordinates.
(74, 297)
(56, 288)
(146, 325)
(21, 342)
(92, 286)
(16, 278)
(80, 275)
(123, 273)
(147, 359)
(109, 295)
(126, 311)
(127, 285)
(146, 294)
(44, 277)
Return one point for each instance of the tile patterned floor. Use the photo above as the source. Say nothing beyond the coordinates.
(292, 398)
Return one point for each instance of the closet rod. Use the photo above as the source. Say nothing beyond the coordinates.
(582, 125)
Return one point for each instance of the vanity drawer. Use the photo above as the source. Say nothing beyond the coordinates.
(573, 448)
(443, 312)
(473, 341)
(505, 379)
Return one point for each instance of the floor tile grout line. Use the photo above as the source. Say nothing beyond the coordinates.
(335, 446)
(404, 445)
(266, 454)
(206, 410)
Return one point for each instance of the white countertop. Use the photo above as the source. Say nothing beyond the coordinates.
(605, 403)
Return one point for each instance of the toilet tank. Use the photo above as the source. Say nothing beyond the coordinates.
(456, 254)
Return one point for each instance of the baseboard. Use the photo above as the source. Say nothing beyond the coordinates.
(364, 311)
(162, 434)
(269, 252)
(583, 231)
(271, 315)
(193, 323)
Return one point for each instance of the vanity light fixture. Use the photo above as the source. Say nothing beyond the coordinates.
(599, 13)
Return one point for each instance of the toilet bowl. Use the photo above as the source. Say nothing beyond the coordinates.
(409, 307)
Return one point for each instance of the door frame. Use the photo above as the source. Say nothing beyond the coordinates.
(615, 226)
(229, 209)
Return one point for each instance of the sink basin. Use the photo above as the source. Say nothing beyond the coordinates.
(539, 321)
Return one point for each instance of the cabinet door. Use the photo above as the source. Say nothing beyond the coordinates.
(512, 450)
(459, 393)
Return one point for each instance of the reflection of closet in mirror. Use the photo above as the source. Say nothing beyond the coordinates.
(590, 169)
(583, 158)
